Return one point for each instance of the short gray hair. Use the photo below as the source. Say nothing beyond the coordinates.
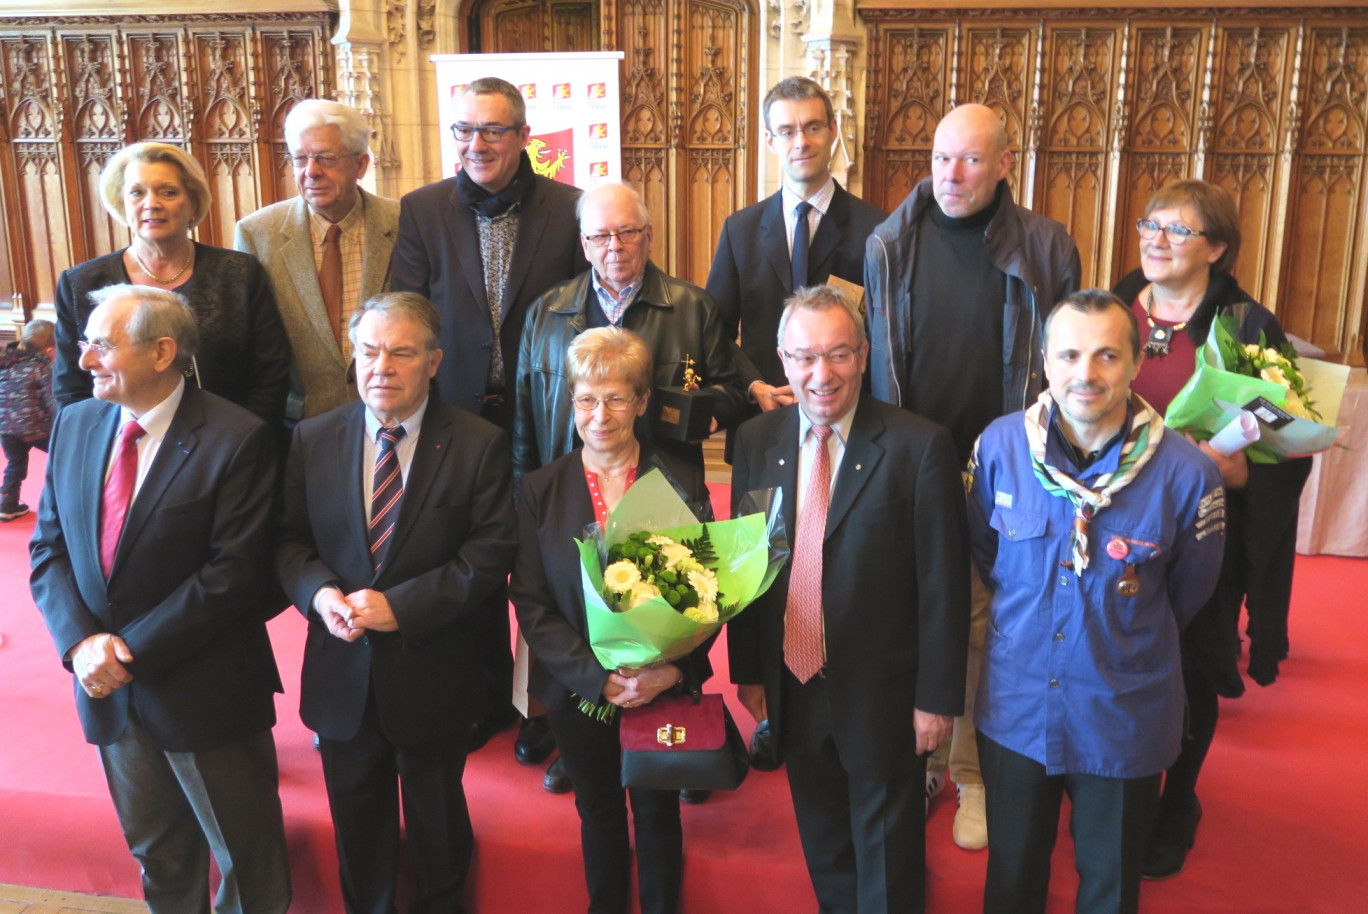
(600, 353)
(39, 334)
(601, 190)
(319, 112)
(821, 298)
(158, 313)
(401, 304)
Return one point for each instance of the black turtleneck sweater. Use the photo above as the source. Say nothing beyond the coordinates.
(958, 297)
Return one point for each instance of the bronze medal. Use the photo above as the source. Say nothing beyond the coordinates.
(1129, 585)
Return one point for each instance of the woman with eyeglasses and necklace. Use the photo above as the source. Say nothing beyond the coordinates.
(609, 374)
(160, 192)
(1189, 239)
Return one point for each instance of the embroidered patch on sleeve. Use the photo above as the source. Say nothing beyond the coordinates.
(1211, 513)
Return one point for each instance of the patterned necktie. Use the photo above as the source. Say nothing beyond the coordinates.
(804, 640)
(118, 493)
(801, 242)
(330, 279)
(386, 494)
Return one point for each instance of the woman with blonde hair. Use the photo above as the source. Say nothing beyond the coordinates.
(160, 192)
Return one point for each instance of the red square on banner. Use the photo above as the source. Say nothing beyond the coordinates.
(598, 169)
(598, 90)
(598, 131)
(528, 90)
(560, 90)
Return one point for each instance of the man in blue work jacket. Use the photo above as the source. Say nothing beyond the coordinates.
(1100, 535)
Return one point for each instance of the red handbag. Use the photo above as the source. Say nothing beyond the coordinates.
(682, 742)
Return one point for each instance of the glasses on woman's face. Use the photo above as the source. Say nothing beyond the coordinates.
(614, 403)
(1175, 232)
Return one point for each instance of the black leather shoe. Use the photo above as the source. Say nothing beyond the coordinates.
(694, 797)
(1168, 849)
(556, 779)
(482, 730)
(535, 742)
(764, 754)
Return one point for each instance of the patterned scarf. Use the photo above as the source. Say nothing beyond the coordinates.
(1146, 431)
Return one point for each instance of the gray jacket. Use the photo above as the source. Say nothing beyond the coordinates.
(1042, 266)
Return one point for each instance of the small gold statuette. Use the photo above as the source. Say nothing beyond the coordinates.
(1129, 585)
(692, 379)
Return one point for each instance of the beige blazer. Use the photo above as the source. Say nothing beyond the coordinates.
(278, 236)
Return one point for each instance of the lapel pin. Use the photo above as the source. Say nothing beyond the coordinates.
(859, 466)
(781, 461)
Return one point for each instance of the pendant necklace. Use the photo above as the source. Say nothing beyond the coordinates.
(1157, 346)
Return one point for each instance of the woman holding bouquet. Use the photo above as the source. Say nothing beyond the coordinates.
(1189, 239)
(609, 372)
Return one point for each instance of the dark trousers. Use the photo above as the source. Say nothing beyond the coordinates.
(492, 630)
(864, 841)
(593, 756)
(360, 774)
(1111, 822)
(17, 464)
(175, 808)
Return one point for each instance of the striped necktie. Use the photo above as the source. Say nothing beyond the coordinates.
(387, 493)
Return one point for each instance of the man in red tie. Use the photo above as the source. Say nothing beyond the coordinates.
(398, 528)
(856, 655)
(150, 565)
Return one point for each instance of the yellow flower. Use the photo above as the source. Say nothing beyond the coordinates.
(641, 592)
(1275, 374)
(705, 584)
(619, 577)
(703, 612)
(1294, 405)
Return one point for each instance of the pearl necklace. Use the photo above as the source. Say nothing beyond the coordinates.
(154, 277)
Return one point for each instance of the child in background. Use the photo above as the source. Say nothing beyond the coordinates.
(26, 408)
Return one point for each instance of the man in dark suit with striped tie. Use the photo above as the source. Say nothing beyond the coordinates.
(398, 528)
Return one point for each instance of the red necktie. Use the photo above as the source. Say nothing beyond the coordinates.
(330, 279)
(804, 641)
(387, 492)
(118, 493)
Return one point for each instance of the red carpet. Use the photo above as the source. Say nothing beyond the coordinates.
(1285, 827)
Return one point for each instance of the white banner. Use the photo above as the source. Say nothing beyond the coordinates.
(572, 107)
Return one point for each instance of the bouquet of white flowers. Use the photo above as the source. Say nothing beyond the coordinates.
(658, 583)
(1273, 385)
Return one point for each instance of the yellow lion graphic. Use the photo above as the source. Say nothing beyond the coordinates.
(547, 169)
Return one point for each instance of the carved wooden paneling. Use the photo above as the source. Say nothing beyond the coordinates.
(523, 27)
(1105, 106)
(1081, 73)
(1324, 273)
(77, 89)
(909, 92)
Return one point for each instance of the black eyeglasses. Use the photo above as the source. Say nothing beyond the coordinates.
(492, 133)
(1176, 232)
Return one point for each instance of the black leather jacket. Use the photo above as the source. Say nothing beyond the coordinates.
(675, 318)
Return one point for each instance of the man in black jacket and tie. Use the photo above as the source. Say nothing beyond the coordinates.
(398, 528)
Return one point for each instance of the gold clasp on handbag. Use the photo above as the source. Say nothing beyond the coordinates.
(670, 735)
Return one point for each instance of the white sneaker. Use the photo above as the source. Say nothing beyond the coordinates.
(935, 783)
(971, 822)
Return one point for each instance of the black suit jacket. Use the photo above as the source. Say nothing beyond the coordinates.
(751, 275)
(186, 588)
(895, 580)
(546, 589)
(437, 254)
(453, 547)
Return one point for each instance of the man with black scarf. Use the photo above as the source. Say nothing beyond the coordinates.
(482, 246)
